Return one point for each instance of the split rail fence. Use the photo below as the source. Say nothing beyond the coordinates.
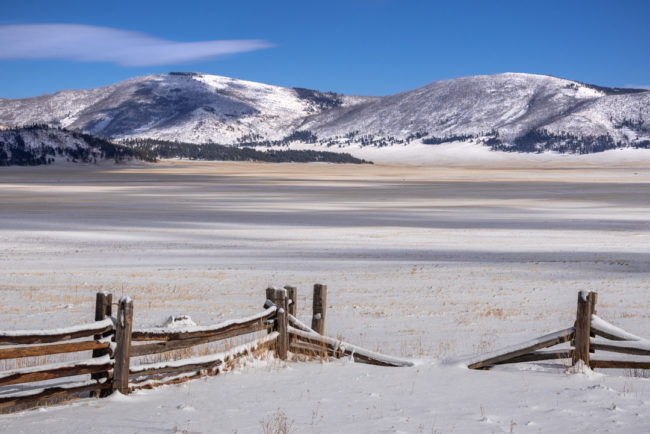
(589, 334)
(115, 345)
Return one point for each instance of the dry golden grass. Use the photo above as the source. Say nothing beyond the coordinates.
(277, 423)
(28, 362)
(205, 349)
(485, 344)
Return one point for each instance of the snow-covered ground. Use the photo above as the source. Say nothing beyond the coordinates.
(462, 153)
(432, 262)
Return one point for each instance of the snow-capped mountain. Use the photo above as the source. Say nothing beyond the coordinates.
(187, 107)
(508, 111)
(510, 103)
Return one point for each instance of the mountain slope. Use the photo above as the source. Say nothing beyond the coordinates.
(39, 144)
(511, 111)
(177, 106)
(511, 104)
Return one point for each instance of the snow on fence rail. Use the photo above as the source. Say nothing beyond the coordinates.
(152, 375)
(17, 388)
(589, 334)
(16, 337)
(115, 344)
(314, 341)
(524, 349)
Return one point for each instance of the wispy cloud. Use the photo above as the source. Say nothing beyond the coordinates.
(104, 44)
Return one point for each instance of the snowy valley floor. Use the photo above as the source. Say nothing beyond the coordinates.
(430, 262)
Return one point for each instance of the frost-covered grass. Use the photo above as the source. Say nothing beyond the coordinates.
(431, 262)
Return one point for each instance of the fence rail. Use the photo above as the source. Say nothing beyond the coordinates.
(218, 330)
(12, 402)
(22, 337)
(115, 346)
(589, 334)
(46, 350)
(524, 349)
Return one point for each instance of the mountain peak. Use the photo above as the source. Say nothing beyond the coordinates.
(202, 108)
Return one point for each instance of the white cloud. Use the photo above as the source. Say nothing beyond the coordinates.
(104, 44)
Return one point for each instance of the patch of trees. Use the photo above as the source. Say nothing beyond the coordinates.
(187, 74)
(604, 89)
(643, 144)
(415, 136)
(614, 90)
(439, 140)
(301, 136)
(493, 142)
(323, 100)
(367, 140)
(635, 125)
(85, 148)
(14, 150)
(213, 151)
(254, 140)
(540, 140)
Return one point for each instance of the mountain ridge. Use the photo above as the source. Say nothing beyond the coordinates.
(498, 110)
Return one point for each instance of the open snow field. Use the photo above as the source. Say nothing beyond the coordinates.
(434, 263)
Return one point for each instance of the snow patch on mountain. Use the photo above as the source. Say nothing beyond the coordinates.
(511, 103)
(510, 111)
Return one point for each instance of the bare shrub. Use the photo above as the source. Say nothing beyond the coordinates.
(639, 373)
(277, 423)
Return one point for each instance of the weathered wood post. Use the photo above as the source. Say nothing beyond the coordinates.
(123, 347)
(280, 299)
(319, 308)
(270, 293)
(594, 300)
(292, 294)
(586, 306)
(283, 338)
(103, 309)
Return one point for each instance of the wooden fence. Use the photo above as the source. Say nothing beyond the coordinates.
(589, 334)
(115, 345)
(97, 336)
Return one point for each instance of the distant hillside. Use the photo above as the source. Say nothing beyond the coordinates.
(187, 107)
(518, 112)
(211, 151)
(39, 144)
(510, 111)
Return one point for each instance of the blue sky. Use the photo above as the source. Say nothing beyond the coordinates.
(370, 47)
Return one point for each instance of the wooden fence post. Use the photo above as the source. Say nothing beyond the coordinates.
(292, 294)
(270, 293)
(319, 308)
(283, 339)
(103, 309)
(594, 300)
(586, 306)
(280, 299)
(123, 347)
